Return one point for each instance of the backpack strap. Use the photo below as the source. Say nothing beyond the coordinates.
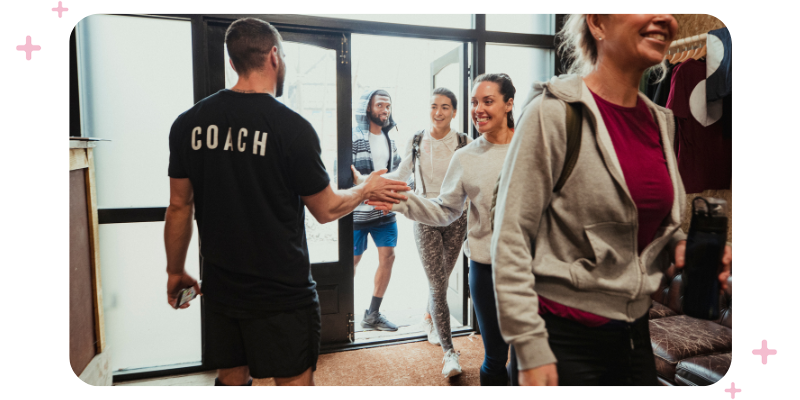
(574, 122)
(494, 202)
(462, 140)
(414, 156)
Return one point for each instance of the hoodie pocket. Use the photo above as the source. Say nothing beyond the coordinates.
(612, 244)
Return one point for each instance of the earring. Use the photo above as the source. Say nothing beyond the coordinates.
(599, 38)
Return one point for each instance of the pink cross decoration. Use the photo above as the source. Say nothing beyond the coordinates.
(60, 9)
(28, 48)
(733, 390)
(764, 352)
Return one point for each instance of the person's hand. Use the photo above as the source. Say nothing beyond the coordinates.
(545, 375)
(727, 260)
(357, 177)
(378, 188)
(381, 205)
(178, 282)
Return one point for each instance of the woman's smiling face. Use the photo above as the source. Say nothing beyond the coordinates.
(636, 39)
(442, 112)
(488, 108)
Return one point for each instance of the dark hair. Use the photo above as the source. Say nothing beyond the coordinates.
(249, 40)
(450, 95)
(379, 92)
(507, 89)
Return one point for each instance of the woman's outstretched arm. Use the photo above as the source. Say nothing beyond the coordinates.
(441, 211)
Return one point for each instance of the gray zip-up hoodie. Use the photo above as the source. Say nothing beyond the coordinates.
(577, 247)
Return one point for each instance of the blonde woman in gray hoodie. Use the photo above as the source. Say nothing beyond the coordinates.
(574, 268)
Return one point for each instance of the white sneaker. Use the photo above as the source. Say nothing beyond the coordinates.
(433, 336)
(451, 366)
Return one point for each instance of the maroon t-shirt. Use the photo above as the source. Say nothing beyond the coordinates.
(637, 143)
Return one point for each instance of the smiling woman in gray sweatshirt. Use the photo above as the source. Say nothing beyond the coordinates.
(574, 268)
(472, 175)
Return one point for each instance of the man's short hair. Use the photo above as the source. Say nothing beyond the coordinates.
(249, 40)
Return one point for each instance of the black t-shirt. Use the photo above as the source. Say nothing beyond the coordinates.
(249, 159)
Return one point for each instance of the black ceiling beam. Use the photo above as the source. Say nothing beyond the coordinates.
(300, 23)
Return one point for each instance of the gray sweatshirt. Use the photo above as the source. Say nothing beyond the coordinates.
(578, 246)
(472, 175)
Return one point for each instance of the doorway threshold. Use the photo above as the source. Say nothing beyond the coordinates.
(418, 336)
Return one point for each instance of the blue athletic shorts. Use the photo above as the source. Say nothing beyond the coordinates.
(383, 235)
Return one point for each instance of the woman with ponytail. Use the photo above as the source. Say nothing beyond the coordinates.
(472, 176)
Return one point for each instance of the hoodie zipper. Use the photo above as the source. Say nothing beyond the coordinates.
(634, 215)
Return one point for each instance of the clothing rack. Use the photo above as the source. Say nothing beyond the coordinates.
(683, 49)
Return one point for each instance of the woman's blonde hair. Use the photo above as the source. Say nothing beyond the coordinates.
(578, 48)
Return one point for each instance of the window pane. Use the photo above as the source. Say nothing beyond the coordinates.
(541, 24)
(449, 77)
(407, 79)
(530, 65)
(310, 90)
(460, 21)
(142, 330)
(135, 78)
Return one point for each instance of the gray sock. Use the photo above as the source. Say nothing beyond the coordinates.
(375, 304)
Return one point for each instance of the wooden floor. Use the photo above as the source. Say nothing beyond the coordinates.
(414, 364)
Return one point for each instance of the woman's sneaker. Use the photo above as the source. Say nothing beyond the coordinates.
(433, 336)
(451, 366)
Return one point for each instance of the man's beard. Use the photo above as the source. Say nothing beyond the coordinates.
(281, 78)
(377, 120)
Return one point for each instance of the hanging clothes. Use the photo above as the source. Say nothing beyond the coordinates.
(718, 64)
(704, 151)
(718, 74)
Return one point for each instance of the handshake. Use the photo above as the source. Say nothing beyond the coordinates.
(378, 191)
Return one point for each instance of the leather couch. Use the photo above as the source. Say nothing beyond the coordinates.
(688, 351)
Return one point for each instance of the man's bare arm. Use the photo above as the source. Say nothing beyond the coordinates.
(329, 205)
(178, 227)
(177, 235)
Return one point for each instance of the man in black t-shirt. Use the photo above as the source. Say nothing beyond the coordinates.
(245, 165)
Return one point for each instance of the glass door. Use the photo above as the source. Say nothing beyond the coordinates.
(317, 87)
(451, 71)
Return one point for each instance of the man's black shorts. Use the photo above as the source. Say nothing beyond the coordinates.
(273, 344)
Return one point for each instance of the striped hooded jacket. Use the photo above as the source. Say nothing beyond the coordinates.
(366, 216)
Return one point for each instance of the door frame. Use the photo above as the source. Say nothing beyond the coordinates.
(335, 279)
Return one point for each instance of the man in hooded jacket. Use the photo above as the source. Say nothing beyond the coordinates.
(374, 149)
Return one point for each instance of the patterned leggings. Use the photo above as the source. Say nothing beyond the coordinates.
(439, 248)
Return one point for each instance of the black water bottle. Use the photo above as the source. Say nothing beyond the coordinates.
(705, 246)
